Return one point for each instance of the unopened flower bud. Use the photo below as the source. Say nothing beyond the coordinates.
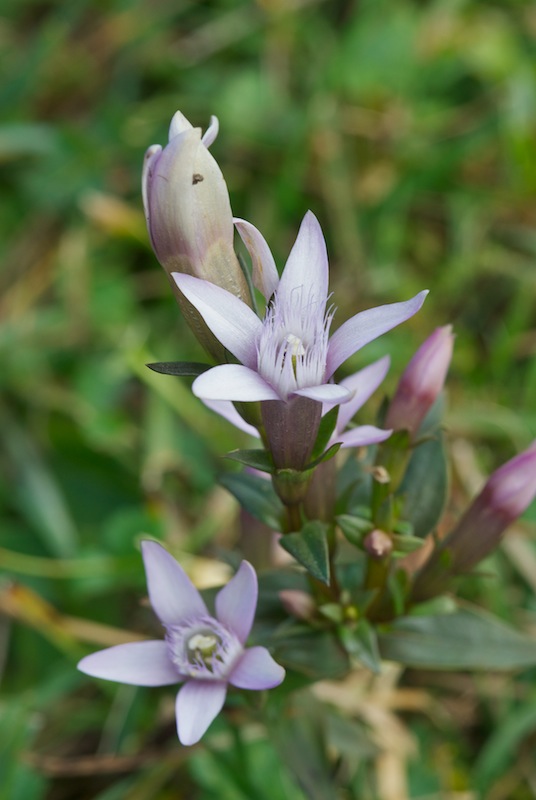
(505, 496)
(189, 216)
(421, 382)
(378, 544)
(298, 604)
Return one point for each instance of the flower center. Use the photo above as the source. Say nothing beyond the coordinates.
(203, 648)
(293, 343)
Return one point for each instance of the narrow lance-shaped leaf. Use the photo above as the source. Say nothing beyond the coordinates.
(310, 548)
(466, 639)
(182, 369)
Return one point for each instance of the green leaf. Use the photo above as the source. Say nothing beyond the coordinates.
(361, 643)
(502, 747)
(315, 654)
(326, 428)
(258, 459)
(354, 528)
(183, 369)
(406, 544)
(310, 548)
(466, 639)
(330, 453)
(256, 495)
(425, 486)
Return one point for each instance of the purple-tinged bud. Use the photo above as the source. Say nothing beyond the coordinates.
(298, 604)
(421, 382)
(189, 216)
(378, 544)
(505, 496)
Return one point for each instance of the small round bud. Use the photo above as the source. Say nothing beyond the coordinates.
(378, 544)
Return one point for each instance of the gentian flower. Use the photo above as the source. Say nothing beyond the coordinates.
(205, 653)
(421, 382)
(505, 496)
(289, 353)
(362, 385)
(189, 217)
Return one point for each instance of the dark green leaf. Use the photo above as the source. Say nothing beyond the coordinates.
(361, 643)
(327, 426)
(425, 486)
(310, 548)
(257, 496)
(182, 369)
(466, 639)
(330, 453)
(316, 654)
(258, 459)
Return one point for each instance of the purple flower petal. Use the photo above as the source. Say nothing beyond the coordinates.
(198, 703)
(265, 275)
(326, 393)
(307, 264)
(237, 601)
(227, 410)
(257, 670)
(366, 326)
(361, 436)
(233, 382)
(231, 321)
(363, 384)
(173, 596)
(138, 663)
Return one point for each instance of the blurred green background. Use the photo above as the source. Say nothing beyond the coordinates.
(408, 128)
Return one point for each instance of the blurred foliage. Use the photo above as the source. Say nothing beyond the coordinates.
(408, 127)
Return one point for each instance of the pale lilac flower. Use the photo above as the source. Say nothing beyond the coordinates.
(421, 382)
(205, 653)
(362, 385)
(188, 210)
(289, 353)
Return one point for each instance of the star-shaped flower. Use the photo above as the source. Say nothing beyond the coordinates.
(205, 653)
(289, 353)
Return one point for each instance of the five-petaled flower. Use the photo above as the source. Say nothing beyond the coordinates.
(205, 653)
(289, 353)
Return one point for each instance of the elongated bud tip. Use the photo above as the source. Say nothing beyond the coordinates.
(512, 487)
(421, 382)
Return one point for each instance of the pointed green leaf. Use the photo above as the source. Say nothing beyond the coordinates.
(361, 643)
(310, 548)
(183, 369)
(258, 459)
(425, 486)
(326, 428)
(354, 528)
(256, 495)
(330, 453)
(466, 639)
(406, 544)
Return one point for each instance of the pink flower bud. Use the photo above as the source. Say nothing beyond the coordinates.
(378, 544)
(189, 216)
(505, 496)
(421, 382)
(299, 604)
(503, 499)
